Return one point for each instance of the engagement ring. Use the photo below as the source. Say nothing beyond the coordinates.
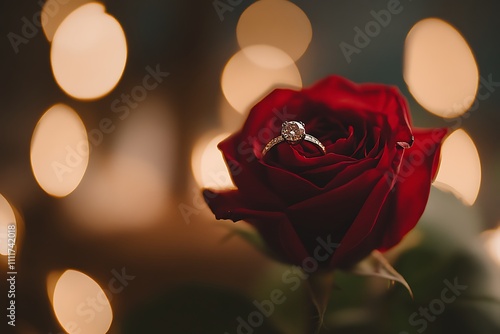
(293, 133)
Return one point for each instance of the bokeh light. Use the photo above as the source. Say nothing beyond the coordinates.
(231, 120)
(88, 52)
(460, 169)
(246, 80)
(54, 12)
(277, 23)
(51, 281)
(439, 68)
(207, 163)
(7, 217)
(492, 243)
(59, 151)
(81, 305)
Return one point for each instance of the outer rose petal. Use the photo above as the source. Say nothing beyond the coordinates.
(412, 188)
(341, 94)
(406, 203)
(248, 174)
(269, 113)
(362, 225)
(274, 227)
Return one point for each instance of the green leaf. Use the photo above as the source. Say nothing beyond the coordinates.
(376, 265)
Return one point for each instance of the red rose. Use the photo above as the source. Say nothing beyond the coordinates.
(365, 193)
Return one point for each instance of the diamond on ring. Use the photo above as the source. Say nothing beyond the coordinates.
(293, 132)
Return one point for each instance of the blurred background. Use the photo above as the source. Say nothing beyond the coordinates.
(111, 115)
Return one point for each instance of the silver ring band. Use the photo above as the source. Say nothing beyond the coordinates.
(293, 133)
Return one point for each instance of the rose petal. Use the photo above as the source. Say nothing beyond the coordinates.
(362, 226)
(341, 94)
(336, 207)
(274, 227)
(247, 173)
(232, 205)
(265, 118)
(406, 203)
(282, 238)
(289, 186)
